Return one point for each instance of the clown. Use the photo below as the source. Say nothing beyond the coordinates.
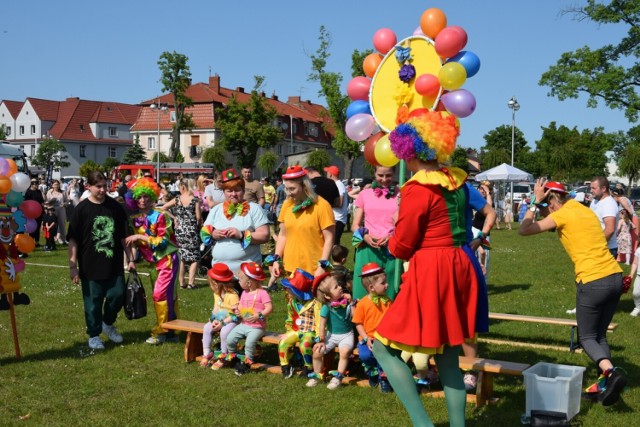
(11, 223)
(152, 233)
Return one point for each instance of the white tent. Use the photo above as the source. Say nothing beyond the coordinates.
(504, 173)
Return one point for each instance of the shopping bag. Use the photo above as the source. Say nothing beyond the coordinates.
(135, 299)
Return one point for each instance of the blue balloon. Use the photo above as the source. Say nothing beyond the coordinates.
(358, 107)
(468, 60)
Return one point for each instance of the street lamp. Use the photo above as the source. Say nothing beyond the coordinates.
(513, 104)
(160, 107)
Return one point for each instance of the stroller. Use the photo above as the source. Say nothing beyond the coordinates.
(204, 262)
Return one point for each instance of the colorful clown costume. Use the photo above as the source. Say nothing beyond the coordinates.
(302, 326)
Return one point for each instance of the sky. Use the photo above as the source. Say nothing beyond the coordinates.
(108, 51)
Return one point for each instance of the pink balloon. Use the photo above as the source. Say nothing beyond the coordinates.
(31, 225)
(461, 103)
(427, 85)
(4, 166)
(360, 126)
(384, 40)
(418, 32)
(358, 88)
(31, 209)
(450, 41)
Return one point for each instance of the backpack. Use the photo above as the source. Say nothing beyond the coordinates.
(135, 299)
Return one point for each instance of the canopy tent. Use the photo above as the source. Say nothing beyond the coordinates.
(504, 173)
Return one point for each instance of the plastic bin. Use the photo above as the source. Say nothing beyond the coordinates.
(551, 387)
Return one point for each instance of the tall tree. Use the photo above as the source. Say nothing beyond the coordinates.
(110, 163)
(248, 127)
(176, 78)
(87, 167)
(337, 102)
(459, 159)
(215, 156)
(135, 153)
(3, 132)
(318, 159)
(51, 150)
(267, 162)
(497, 148)
(629, 162)
(608, 74)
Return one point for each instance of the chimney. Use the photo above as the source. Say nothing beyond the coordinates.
(263, 95)
(214, 83)
(274, 96)
(240, 89)
(294, 100)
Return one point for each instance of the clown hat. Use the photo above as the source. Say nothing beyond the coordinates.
(220, 272)
(371, 268)
(333, 170)
(253, 270)
(294, 172)
(299, 284)
(555, 186)
(316, 282)
(229, 175)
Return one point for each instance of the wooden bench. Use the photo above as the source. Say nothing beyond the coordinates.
(574, 344)
(486, 368)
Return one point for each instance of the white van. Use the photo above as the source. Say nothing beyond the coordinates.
(519, 188)
(13, 152)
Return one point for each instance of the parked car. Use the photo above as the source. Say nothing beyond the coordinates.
(634, 196)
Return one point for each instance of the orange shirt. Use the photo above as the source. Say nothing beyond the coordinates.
(369, 315)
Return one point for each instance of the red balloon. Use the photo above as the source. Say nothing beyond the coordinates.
(427, 85)
(384, 40)
(31, 209)
(450, 41)
(358, 88)
(418, 112)
(369, 148)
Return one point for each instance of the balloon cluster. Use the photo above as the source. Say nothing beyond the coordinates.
(439, 90)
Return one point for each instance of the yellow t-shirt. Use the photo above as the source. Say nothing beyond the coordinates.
(226, 302)
(582, 237)
(303, 229)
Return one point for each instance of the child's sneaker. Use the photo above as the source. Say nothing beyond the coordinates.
(95, 343)
(205, 359)
(635, 312)
(287, 371)
(470, 381)
(306, 372)
(385, 385)
(334, 383)
(374, 380)
(218, 364)
(111, 332)
(243, 368)
(312, 382)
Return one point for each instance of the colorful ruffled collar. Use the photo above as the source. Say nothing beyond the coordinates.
(450, 178)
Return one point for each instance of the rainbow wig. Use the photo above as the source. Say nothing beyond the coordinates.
(145, 186)
(427, 135)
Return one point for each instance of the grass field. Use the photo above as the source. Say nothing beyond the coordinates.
(59, 381)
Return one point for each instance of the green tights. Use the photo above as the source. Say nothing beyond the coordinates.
(401, 380)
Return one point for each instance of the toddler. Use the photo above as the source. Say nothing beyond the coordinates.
(367, 315)
(253, 309)
(335, 318)
(223, 318)
(49, 227)
(625, 228)
(341, 273)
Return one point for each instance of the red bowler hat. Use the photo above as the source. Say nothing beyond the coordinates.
(333, 170)
(316, 282)
(294, 172)
(229, 175)
(371, 268)
(220, 272)
(299, 284)
(253, 270)
(555, 186)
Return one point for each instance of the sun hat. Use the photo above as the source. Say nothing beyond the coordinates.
(294, 172)
(253, 270)
(333, 170)
(316, 282)
(555, 186)
(299, 284)
(371, 268)
(220, 272)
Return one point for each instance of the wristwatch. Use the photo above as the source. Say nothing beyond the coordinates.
(533, 208)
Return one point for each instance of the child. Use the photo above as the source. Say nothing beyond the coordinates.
(302, 324)
(368, 313)
(625, 228)
(223, 319)
(49, 227)
(634, 275)
(335, 318)
(341, 273)
(253, 309)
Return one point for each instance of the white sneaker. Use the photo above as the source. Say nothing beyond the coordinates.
(572, 311)
(635, 312)
(95, 343)
(112, 333)
(334, 383)
(312, 382)
(470, 381)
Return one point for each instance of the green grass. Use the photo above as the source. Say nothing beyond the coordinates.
(59, 381)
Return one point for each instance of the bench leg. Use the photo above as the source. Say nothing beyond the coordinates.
(484, 389)
(192, 346)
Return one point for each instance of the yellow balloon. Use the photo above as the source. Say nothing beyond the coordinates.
(452, 76)
(383, 153)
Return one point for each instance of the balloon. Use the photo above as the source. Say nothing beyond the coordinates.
(469, 61)
(5, 185)
(369, 149)
(358, 88)
(418, 32)
(14, 199)
(384, 154)
(371, 63)
(31, 225)
(359, 127)
(384, 40)
(358, 107)
(460, 103)
(31, 209)
(427, 85)
(4, 166)
(432, 22)
(452, 76)
(20, 182)
(13, 167)
(25, 243)
(450, 41)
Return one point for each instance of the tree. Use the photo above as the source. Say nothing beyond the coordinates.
(629, 162)
(163, 158)
(459, 159)
(499, 140)
(608, 74)
(89, 166)
(135, 153)
(318, 159)
(110, 163)
(176, 78)
(337, 103)
(267, 162)
(215, 156)
(51, 150)
(3, 132)
(248, 127)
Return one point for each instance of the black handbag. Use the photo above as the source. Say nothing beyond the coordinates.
(135, 299)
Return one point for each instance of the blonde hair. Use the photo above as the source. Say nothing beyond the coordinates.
(367, 281)
(218, 286)
(307, 187)
(322, 291)
(200, 183)
(254, 283)
(189, 184)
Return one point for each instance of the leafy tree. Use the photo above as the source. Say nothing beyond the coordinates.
(135, 153)
(3, 132)
(267, 162)
(248, 127)
(337, 103)
(498, 147)
(110, 163)
(163, 158)
(459, 159)
(51, 150)
(319, 159)
(215, 156)
(357, 59)
(89, 166)
(629, 162)
(608, 74)
(176, 78)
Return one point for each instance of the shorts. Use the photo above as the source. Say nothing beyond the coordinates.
(339, 340)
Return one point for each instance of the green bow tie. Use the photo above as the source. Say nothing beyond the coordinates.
(235, 209)
(302, 206)
(379, 298)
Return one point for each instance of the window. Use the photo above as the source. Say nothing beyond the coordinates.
(279, 148)
(294, 128)
(112, 152)
(113, 131)
(305, 127)
(33, 150)
(83, 151)
(172, 116)
(8, 130)
(313, 129)
(21, 130)
(195, 140)
(33, 129)
(151, 143)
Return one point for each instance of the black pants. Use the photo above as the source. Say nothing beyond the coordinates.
(339, 230)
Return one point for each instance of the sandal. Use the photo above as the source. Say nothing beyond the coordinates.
(205, 359)
(191, 286)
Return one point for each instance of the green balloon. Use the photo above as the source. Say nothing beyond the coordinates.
(14, 199)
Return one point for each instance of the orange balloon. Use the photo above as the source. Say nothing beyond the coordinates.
(432, 22)
(13, 167)
(371, 63)
(5, 185)
(25, 243)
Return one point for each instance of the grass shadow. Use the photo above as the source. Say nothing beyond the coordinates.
(503, 289)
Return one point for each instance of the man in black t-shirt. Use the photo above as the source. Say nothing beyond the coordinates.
(323, 186)
(97, 231)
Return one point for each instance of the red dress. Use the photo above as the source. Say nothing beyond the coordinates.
(438, 295)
